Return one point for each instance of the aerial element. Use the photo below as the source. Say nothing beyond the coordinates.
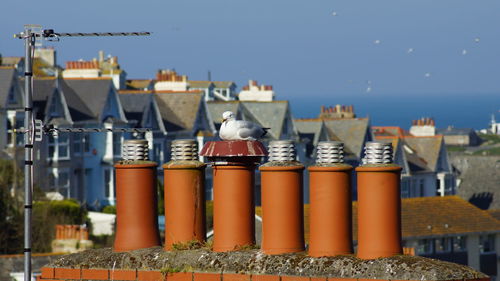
(232, 129)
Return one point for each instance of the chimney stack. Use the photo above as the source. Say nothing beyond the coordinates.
(330, 213)
(379, 203)
(136, 201)
(234, 165)
(282, 200)
(184, 179)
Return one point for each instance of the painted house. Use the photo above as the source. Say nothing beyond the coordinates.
(11, 106)
(78, 165)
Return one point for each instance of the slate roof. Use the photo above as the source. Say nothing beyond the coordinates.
(479, 179)
(93, 92)
(216, 108)
(451, 131)
(179, 110)
(414, 162)
(427, 148)
(351, 131)
(199, 84)
(446, 216)
(268, 114)
(6, 82)
(134, 105)
(85, 98)
(309, 127)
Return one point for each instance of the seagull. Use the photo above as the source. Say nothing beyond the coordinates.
(376, 42)
(232, 129)
(410, 50)
(464, 52)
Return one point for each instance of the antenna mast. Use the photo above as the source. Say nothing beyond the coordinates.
(32, 35)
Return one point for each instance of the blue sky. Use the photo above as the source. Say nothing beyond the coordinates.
(400, 49)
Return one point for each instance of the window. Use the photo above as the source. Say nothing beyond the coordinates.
(487, 243)
(421, 188)
(77, 143)
(443, 245)
(405, 188)
(108, 183)
(86, 143)
(63, 145)
(459, 244)
(117, 144)
(425, 246)
(52, 146)
(59, 181)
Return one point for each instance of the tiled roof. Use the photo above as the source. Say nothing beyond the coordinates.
(223, 84)
(479, 179)
(494, 213)
(351, 131)
(139, 84)
(82, 65)
(179, 110)
(11, 61)
(389, 131)
(199, 84)
(446, 216)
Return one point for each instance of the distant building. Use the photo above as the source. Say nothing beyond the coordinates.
(97, 67)
(494, 125)
(426, 127)
(460, 137)
(255, 92)
(339, 111)
(169, 80)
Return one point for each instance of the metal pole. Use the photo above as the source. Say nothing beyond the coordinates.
(29, 42)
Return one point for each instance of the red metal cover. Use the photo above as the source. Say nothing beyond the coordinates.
(239, 148)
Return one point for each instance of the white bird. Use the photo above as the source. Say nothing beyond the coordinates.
(410, 50)
(464, 52)
(232, 129)
(334, 14)
(376, 42)
(427, 74)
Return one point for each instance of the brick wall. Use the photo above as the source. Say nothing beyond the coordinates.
(49, 273)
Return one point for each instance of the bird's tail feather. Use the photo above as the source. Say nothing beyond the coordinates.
(265, 131)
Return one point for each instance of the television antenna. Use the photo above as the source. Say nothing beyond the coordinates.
(33, 35)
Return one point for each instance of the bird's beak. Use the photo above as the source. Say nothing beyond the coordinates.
(224, 120)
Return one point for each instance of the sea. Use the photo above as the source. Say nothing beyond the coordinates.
(459, 111)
